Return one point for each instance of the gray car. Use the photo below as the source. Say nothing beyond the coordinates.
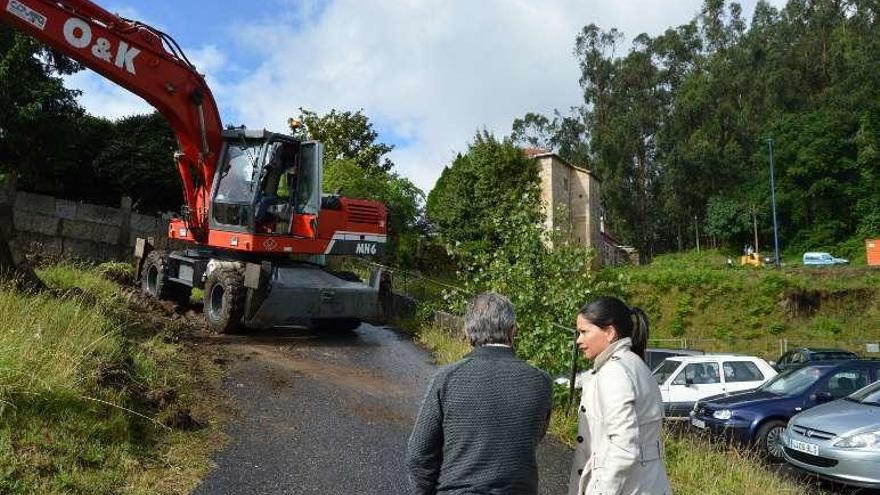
(838, 440)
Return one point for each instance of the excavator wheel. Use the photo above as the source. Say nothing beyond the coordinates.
(155, 283)
(336, 326)
(224, 300)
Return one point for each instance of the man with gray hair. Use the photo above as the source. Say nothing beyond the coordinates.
(482, 417)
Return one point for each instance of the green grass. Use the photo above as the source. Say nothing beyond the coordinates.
(745, 309)
(77, 366)
(443, 346)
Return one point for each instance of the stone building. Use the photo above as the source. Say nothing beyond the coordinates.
(571, 197)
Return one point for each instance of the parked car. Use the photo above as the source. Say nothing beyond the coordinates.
(803, 355)
(653, 357)
(684, 380)
(839, 440)
(823, 259)
(758, 417)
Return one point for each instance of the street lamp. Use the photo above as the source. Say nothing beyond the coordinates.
(773, 201)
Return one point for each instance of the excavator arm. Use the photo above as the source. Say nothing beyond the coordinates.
(148, 63)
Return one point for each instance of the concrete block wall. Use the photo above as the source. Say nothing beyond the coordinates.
(58, 227)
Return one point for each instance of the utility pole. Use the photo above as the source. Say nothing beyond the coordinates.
(697, 232)
(755, 228)
(773, 200)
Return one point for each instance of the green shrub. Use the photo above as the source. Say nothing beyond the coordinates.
(546, 285)
(823, 326)
(777, 328)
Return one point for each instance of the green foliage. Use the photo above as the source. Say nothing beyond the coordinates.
(677, 126)
(824, 326)
(726, 219)
(777, 328)
(137, 160)
(547, 285)
(678, 325)
(479, 190)
(345, 135)
(38, 116)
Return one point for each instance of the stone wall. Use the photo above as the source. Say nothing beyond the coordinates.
(56, 227)
(574, 190)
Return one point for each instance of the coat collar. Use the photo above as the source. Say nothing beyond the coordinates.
(612, 349)
(492, 352)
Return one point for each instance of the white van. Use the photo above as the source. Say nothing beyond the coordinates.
(686, 379)
(823, 259)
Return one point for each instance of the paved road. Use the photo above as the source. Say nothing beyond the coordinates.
(326, 415)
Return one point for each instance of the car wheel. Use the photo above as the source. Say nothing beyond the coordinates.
(769, 439)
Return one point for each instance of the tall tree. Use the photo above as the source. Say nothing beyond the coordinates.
(345, 135)
(479, 189)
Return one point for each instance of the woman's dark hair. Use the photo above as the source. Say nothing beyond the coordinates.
(629, 322)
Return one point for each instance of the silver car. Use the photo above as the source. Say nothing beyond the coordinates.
(838, 440)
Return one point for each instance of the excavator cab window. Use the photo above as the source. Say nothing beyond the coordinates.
(308, 188)
(233, 200)
(274, 204)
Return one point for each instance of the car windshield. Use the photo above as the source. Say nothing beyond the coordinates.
(833, 356)
(868, 395)
(792, 382)
(665, 370)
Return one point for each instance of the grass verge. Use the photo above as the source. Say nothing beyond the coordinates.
(97, 393)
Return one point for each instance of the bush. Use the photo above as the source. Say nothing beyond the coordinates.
(547, 285)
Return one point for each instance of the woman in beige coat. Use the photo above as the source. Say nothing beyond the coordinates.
(619, 449)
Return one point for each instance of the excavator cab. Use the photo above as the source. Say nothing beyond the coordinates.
(267, 183)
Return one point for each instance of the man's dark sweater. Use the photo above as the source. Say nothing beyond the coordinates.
(479, 426)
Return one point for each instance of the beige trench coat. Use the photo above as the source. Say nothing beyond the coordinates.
(619, 449)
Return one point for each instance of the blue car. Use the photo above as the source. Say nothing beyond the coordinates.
(758, 417)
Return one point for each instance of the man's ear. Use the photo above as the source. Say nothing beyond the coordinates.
(512, 335)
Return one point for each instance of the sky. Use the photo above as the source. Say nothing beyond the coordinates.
(429, 73)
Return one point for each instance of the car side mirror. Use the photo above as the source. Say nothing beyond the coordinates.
(772, 363)
(822, 397)
(688, 382)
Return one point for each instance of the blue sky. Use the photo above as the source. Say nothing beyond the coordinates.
(428, 73)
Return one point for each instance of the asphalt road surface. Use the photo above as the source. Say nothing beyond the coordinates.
(330, 415)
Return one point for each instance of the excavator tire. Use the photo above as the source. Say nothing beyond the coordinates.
(336, 326)
(155, 283)
(348, 276)
(224, 300)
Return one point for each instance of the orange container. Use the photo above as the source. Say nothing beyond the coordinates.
(872, 247)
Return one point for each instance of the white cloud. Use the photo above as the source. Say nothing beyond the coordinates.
(431, 71)
(434, 71)
(104, 98)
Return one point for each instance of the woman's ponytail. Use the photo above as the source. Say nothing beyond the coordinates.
(640, 331)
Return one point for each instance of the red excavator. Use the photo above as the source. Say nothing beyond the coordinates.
(255, 223)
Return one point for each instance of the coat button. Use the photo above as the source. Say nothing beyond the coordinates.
(583, 409)
(580, 472)
(580, 439)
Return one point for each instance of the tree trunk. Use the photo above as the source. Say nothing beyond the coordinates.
(11, 267)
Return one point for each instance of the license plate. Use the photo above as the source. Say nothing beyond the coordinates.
(807, 448)
(699, 423)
